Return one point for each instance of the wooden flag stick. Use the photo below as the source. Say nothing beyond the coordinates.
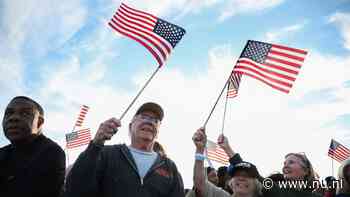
(217, 100)
(223, 119)
(139, 93)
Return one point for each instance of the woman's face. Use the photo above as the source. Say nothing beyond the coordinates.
(242, 183)
(293, 168)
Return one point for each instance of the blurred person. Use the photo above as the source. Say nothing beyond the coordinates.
(344, 176)
(127, 171)
(212, 175)
(32, 165)
(224, 179)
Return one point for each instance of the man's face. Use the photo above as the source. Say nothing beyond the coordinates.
(145, 127)
(21, 120)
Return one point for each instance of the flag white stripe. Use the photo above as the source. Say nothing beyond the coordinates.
(151, 18)
(114, 24)
(288, 52)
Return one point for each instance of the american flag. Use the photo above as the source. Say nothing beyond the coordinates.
(216, 153)
(338, 151)
(83, 111)
(78, 138)
(157, 35)
(233, 85)
(274, 65)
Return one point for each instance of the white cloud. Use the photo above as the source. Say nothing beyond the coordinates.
(235, 7)
(277, 35)
(342, 20)
(39, 26)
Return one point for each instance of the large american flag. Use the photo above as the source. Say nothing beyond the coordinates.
(78, 138)
(272, 64)
(157, 35)
(338, 151)
(83, 111)
(216, 153)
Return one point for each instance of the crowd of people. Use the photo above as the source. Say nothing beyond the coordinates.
(34, 165)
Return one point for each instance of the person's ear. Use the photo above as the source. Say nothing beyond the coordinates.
(40, 121)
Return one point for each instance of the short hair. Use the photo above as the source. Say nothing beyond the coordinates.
(36, 105)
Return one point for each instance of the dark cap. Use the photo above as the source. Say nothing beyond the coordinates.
(153, 107)
(243, 166)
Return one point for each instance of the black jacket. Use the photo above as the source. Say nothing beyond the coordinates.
(33, 170)
(110, 171)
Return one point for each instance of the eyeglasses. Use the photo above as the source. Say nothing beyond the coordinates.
(148, 118)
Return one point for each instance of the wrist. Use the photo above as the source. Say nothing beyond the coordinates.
(199, 150)
(199, 157)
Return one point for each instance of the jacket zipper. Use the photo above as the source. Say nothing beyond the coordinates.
(151, 170)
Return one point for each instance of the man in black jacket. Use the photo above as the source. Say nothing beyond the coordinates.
(32, 165)
(128, 171)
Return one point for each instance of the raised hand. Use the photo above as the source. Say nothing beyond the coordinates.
(106, 130)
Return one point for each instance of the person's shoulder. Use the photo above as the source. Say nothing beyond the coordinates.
(5, 148)
(52, 145)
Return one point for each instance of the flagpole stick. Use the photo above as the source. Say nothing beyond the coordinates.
(139, 93)
(223, 119)
(217, 100)
(67, 155)
(332, 167)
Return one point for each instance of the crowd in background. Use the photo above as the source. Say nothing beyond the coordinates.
(34, 165)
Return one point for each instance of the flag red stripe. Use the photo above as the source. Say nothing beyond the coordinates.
(337, 157)
(266, 70)
(143, 31)
(223, 155)
(268, 64)
(141, 35)
(121, 31)
(139, 11)
(336, 154)
(283, 62)
(290, 49)
(289, 85)
(136, 19)
(217, 157)
(264, 81)
(286, 55)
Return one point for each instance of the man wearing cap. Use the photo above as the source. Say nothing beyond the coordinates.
(32, 165)
(244, 175)
(129, 171)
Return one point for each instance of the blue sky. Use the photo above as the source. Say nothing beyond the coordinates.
(63, 54)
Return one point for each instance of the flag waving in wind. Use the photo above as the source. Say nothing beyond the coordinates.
(274, 65)
(338, 152)
(216, 153)
(157, 35)
(78, 138)
(83, 111)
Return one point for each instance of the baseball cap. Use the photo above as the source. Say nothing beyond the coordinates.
(244, 166)
(153, 107)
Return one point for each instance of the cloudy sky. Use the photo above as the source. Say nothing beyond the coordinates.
(63, 54)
